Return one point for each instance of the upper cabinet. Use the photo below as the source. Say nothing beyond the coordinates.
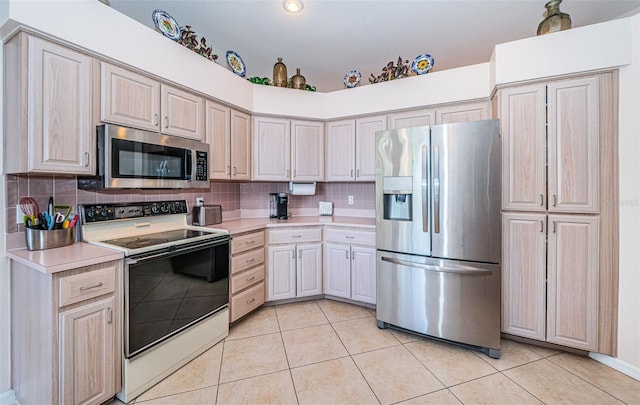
(474, 111)
(285, 150)
(567, 125)
(228, 133)
(48, 91)
(137, 101)
(351, 148)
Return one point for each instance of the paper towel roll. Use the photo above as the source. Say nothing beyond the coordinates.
(302, 188)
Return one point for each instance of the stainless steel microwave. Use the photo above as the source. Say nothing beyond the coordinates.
(132, 158)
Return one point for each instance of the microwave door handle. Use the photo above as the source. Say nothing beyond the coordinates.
(188, 165)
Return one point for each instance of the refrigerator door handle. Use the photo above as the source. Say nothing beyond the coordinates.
(425, 196)
(436, 189)
(464, 270)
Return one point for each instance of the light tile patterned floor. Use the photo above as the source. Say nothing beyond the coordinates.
(328, 352)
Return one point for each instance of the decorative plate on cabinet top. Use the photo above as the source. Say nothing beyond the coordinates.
(352, 78)
(166, 24)
(236, 64)
(422, 64)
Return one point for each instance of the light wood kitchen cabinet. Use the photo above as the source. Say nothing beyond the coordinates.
(134, 100)
(66, 334)
(411, 118)
(247, 274)
(350, 264)
(48, 116)
(228, 133)
(462, 112)
(351, 148)
(566, 128)
(294, 267)
(286, 150)
(572, 281)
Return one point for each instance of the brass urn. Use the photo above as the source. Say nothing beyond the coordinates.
(556, 20)
(298, 81)
(280, 74)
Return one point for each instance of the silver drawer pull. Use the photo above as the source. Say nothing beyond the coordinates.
(251, 301)
(349, 237)
(251, 242)
(109, 315)
(250, 261)
(92, 286)
(251, 278)
(296, 236)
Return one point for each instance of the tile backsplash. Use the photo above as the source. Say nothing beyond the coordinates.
(231, 196)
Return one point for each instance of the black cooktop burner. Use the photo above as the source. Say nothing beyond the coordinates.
(136, 242)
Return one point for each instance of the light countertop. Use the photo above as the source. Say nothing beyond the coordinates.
(237, 226)
(64, 258)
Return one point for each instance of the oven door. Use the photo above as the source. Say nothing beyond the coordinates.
(167, 292)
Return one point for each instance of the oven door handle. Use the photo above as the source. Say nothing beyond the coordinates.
(176, 251)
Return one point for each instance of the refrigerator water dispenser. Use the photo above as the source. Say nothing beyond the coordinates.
(398, 197)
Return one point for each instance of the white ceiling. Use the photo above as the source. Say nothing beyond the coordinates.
(330, 37)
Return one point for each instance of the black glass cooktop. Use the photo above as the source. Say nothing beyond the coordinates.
(137, 242)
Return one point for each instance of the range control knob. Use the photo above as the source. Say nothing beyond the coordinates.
(155, 209)
(89, 213)
(164, 208)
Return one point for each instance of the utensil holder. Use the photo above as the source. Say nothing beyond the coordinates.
(40, 239)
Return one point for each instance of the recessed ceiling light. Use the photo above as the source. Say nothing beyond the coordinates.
(292, 6)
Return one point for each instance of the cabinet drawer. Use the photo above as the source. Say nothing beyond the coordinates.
(351, 237)
(247, 242)
(295, 235)
(247, 301)
(243, 280)
(87, 285)
(246, 260)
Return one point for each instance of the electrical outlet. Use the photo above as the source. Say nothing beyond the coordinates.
(350, 200)
(19, 215)
(199, 201)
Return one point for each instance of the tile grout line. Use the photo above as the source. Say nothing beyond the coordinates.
(224, 342)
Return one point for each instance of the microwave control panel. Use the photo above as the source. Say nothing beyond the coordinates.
(202, 170)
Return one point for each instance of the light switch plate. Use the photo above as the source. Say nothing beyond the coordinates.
(350, 200)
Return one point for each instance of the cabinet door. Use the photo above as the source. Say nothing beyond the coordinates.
(523, 275)
(87, 353)
(572, 281)
(129, 99)
(60, 128)
(309, 269)
(218, 133)
(281, 272)
(463, 112)
(414, 118)
(307, 151)
(271, 153)
(182, 113)
(522, 118)
(240, 146)
(363, 274)
(573, 145)
(341, 151)
(337, 270)
(366, 146)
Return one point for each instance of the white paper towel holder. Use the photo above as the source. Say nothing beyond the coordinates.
(302, 188)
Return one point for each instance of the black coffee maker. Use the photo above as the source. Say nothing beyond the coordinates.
(278, 205)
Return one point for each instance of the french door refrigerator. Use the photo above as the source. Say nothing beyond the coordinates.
(438, 232)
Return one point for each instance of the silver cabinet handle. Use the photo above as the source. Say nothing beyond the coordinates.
(235, 170)
(166, 122)
(351, 173)
(436, 190)
(541, 226)
(155, 119)
(250, 261)
(555, 200)
(251, 301)
(358, 173)
(296, 236)
(295, 173)
(86, 159)
(251, 278)
(554, 226)
(346, 255)
(469, 271)
(425, 196)
(541, 200)
(349, 237)
(228, 169)
(83, 288)
(109, 315)
(250, 242)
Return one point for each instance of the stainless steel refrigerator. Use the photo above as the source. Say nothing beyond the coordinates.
(438, 232)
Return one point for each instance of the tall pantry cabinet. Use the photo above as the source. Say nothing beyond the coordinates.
(559, 192)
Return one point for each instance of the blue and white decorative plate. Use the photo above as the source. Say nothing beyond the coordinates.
(352, 78)
(166, 24)
(236, 64)
(422, 64)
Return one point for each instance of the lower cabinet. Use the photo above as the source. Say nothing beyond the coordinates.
(66, 334)
(247, 274)
(350, 265)
(550, 291)
(294, 263)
